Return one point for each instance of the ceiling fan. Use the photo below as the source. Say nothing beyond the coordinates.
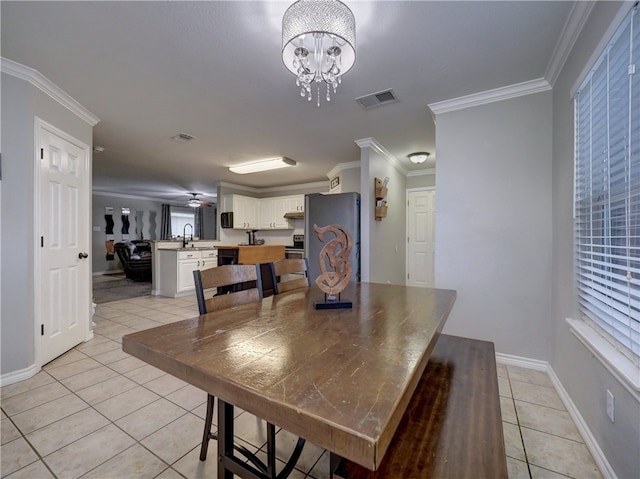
(196, 203)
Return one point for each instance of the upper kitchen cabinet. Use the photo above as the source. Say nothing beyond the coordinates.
(295, 204)
(246, 211)
(272, 211)
(265, 214)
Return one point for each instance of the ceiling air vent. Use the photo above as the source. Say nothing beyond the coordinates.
(377, 99)
(183, 137)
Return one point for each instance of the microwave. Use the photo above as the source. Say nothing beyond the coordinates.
(226, 219)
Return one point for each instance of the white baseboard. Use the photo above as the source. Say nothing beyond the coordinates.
(522, 362)
(20, 375)
(590, 441)
(588, 438)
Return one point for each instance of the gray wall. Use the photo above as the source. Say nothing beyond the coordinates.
(21, 103)
(493, 222)
(383, 243)
(151, 215)
(582, 375)
(350, 180)
(421, 181)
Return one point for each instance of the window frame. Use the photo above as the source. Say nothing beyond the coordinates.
(599, 301)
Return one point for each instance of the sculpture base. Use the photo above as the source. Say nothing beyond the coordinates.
(345, 304)
(333, 303)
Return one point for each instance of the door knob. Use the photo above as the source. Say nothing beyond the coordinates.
(83, 255)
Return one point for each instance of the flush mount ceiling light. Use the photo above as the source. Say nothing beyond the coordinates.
(318, 44)
(262, 165)
(419, 157)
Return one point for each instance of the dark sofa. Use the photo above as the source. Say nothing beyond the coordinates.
(135, 257)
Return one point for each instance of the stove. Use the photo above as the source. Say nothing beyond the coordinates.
(296, 250)
(298, 241)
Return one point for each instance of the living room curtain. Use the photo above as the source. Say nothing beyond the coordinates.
(165, 223)
(198, 219)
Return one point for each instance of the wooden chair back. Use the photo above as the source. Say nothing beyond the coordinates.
(281, 269)
(225, 286)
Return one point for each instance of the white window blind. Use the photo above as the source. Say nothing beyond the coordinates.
(607, 191)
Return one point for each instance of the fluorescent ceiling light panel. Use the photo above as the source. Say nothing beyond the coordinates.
(262, 165)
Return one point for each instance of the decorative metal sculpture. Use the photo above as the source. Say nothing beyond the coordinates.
(336, 253)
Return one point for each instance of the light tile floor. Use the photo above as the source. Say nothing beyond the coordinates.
(96, 412)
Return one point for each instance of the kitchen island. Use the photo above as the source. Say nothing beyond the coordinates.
(174, 277)
(251, 254)
(175, 265)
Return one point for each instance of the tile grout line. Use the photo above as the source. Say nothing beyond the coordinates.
(515, 409)
(37, 453)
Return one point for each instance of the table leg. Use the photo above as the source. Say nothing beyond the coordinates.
(271, 450)
(334, 462)
(229, 464)
(225, 438)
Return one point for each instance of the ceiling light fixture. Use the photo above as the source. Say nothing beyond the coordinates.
(263, 165)
(419, 157)
(193, 203)
(318, 44)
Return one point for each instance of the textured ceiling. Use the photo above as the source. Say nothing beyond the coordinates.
(150, 70)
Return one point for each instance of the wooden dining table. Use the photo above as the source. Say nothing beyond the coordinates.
(339, 378)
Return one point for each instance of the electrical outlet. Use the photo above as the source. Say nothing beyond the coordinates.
(611, 405)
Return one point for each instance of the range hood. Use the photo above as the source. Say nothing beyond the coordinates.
(294, 215)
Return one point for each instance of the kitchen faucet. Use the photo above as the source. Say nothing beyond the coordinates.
(184, 235)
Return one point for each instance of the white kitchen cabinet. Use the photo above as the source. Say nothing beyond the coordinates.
(246, 211)
(295, 204)
(176, 269)
(263, 214)
(272, 212)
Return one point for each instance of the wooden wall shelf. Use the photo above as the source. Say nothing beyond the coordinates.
(381, 200)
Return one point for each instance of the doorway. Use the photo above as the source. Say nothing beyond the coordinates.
(421, 213)
(63, 192)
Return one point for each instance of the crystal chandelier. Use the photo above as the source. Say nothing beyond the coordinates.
(318, 44)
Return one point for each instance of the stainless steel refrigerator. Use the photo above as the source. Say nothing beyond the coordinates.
(342, 209)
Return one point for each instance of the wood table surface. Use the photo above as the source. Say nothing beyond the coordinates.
(339, 378)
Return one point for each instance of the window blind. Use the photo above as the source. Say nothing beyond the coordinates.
(607, 191)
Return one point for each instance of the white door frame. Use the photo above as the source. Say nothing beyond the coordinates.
(406, 259)
(40, 124)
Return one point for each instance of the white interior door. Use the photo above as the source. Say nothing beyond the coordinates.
(421, 213)
(65, 270)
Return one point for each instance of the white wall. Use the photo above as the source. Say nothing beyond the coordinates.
(582, 375)
(493, 222)
(21, 103)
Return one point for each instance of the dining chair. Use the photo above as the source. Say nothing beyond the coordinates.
(216, 289)
(282, 272)
(228, 283)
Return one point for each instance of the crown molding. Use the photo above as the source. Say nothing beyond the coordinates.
(490, 96)
(316, 184)
(374, 145)
(271, 189)
(578, 16)
(41, 82)
(335, 171)
(427, 171)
